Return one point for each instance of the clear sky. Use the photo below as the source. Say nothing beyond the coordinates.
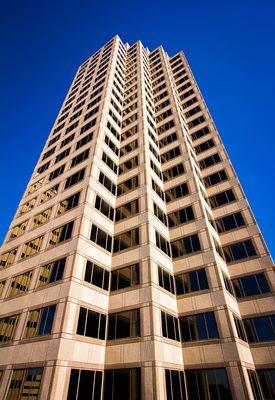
(229, 45)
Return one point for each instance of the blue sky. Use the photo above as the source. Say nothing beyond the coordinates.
(229, 45)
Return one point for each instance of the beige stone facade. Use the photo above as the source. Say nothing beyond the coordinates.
(133, 267)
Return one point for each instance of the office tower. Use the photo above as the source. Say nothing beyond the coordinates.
(133, 268)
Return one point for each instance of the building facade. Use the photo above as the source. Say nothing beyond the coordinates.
(133, 267)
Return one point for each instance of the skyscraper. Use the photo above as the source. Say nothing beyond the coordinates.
(133, 267)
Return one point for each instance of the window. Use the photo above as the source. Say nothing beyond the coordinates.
(169, 155)
(240, 328)
(209, 161)
(101, 238)
(68, 203)
(53, 140)
(128, 165)
(163, 244)
(40, 321)
(199, 327)
(251, 285)
(267, 380)
(49, 194)
(35, 186)
(127, 210)
(125, 277)
(109, 185)
(215, 178)
(111, 145)
(25, 384)
(113, 130)
(2, 285)
(51, 272)
(75, 178)
(43, 168)
(48, 153)
(105, 208)
(54, 174)
(80, 158)
(91, 113)
(7, 328)
(122, 384)
(62, 155)
(7, 259)
(160, 214)
(32, 247)
(128, 148)
(109, 162)
(165, 127)
(85, 383)
(186, 245)
(124, 324)
(230, 222)
(24, 208)
(88, 126)
(175, 385)
(204, 146)
(255, 385)
(61, 234)
(228, 284)
(166, 280)
(208, 384)
(17, 230)
(96, 275)
(19, 284)
(126, 240)
(192, 281)
(260, 329)
(158, 190)
(130, 132)
(86, 139)
(176, 192)
(66, 141)
(170, 326)
(172, 172)
(42, 218)
(196, 121)
(222, 198)
(91, 324)
(200, 133)
(180, 217)
(240, 250)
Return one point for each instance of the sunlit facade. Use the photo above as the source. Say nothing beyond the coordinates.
(133, 267)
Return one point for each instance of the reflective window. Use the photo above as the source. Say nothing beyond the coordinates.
(32, 247)
(260, 329)
(68, 203)
(208, 384)
(19, 284)
(170, 326)
(192, 281)
(96, 275)
(186, 245)
(61, 234)
(85, 384)
(25, 384)
(125, 277)
(7, 328)
(251, 285)
(124, 324)
(199, 327)
(40, 321)
(91, 324)
(239, 251)
(51, 272)
(122, 384)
